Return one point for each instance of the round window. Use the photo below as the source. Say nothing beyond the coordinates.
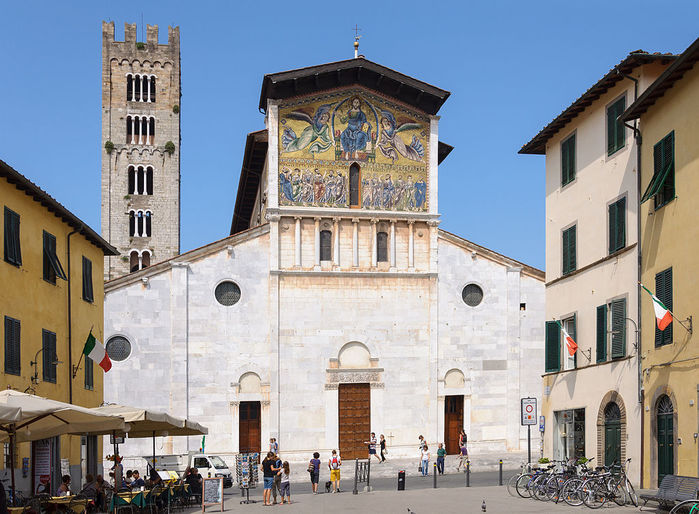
(472, 295)
(227, 293)
(118, 348)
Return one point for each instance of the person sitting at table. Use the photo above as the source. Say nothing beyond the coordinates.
(101, 486)
(194, 481)
(126, 483)
(137, 480)
(90, 487)
(64, 488)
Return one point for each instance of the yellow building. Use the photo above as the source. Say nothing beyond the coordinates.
(669, 119)
(51, 296)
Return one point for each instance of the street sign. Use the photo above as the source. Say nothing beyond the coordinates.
(528, 411)
(542, 423)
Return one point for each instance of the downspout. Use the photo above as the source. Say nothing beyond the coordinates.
(639, 141)
(70, 322)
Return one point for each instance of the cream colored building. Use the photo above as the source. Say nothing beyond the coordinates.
(591, 399)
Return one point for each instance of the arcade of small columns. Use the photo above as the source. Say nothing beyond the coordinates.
(392, 246)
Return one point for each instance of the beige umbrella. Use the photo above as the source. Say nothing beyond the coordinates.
(33, 417)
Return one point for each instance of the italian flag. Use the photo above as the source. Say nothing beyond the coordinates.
(662, 314)
(95, 351)
(570, 344)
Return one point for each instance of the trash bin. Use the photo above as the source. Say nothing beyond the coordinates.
(401, 480)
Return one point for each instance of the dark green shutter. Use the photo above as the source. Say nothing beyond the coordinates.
(553, 347)
(89, 376)
(663, 290)
(667, 190)
(12, 346)
(601, 333)
(573, 332)
(617, 225)
(48, 340)
(568, 160)
(616, 132)
(569, 261)
(618, 325)
(87, 280)
(12, 248)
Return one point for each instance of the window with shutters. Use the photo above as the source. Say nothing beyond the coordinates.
(569, 257)
(354, 181)
(617, 225)
(382, 247)
(89, 376)
(325, 245)
(52, 265)
(49, 359)
(663, 290)
(553, 347)
(662, 185)
(568, 160)
(570, 325)
(602, 333)
(616, 131)
(12, 346)
(88, 295)
(13, 252)
(617, 326)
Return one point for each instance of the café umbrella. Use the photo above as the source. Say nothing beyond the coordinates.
(37, 418)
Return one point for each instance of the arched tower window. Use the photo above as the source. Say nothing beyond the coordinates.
(325, 245)
(133, 261)
(132, 224)
(148, 223)
(382, 247)
(129, 87)
(140, 179)
(152, 89)
(149, 180)
(145, 259)
(139, 224)
(354, 185)
(132, 180)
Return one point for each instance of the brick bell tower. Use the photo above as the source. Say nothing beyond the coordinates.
(140, 148)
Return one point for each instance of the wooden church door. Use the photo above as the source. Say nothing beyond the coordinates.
(354, 413)
(453, 422)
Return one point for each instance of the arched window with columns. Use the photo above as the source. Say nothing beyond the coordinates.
(140, 88)
(140, 130)
(132, 180)
(354, 185)
(133, 261)
(382, 247)
(148, 222)
(325, 245)
(149, 180)
(132, 223)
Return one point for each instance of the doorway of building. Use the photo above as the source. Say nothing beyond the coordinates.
(453, 422)
(354, 420)
(666, 461)
(612, 434)
(249, 428)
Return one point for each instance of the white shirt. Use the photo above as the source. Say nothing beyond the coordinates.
(425, 454)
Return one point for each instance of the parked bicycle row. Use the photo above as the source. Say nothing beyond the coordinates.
(575, 483)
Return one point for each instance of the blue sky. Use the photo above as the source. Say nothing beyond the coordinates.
(511, 68)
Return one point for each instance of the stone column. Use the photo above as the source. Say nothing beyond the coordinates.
(297, 242)
(140, 130)
(336, 245)
(147, 132)
(133, 128)
(355, 242)
(143, 87)
(148, 79)
(317, 241)
(374, 221)
(411, 245)
(393, 244)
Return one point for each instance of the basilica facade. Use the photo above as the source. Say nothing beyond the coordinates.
(336, 306)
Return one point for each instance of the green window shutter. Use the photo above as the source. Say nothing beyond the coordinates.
(618, 313)
(601, 333)
(616, 132)
(663, 290)
(12, 346)
(52, 265)
(573, 332)
(553, 347)
(13, 252)
(617, 225)
(666, 192)
(87, 280)
(569, 260)
(89, 376)
(48, 344)
(568, 160)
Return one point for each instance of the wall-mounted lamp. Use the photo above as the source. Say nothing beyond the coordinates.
(35, 377)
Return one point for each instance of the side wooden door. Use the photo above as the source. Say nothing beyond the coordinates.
(249, 428)
(354, 416)
(665, 446)
(453, 422)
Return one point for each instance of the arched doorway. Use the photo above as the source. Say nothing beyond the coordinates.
(612, 434)
(666, 437)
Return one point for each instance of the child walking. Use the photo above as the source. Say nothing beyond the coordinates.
(285, 482)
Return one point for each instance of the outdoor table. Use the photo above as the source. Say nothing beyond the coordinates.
(78, 506)
(137, 498)
(15, 510)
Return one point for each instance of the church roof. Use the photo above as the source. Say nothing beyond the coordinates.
(22, 183)
(249, 183)
(538, 143)
(357, 71)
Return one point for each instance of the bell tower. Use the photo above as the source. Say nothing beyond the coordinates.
(140, 148)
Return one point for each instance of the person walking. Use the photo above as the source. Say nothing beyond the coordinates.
(372, 446)
(285, 482)
(425, 461)
(463, 451)
(334, 464)
(441, 453)
(314, 471)
(268, 474)
(384, 451)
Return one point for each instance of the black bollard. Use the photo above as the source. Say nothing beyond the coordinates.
(434, 475)
(500, 479)
(356, 470)
(468, 473)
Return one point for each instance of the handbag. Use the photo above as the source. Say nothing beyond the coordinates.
(311, 467)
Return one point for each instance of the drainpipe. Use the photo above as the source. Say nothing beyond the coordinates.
(639, 141)
(70, 322)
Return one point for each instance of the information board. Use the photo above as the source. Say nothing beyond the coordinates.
(528, 411)
(212, 492)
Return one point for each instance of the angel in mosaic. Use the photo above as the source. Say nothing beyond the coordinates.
(392, 145)
(316, 138)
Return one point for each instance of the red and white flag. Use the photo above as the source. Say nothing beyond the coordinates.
(570, 343)
(662, 314)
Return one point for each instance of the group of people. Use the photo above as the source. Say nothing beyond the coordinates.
(424, 466)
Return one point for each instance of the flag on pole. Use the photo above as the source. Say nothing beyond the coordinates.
(95, 351)
(662, 314)
(570, 344)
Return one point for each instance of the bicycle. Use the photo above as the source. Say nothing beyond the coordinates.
(512, 481)
(600, 488)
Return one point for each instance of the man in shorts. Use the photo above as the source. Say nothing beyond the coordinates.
(372, 446)
(334, 465)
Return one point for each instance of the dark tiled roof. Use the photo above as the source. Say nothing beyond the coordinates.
(656, 90)
(30, 188)
(359, 71)
(250, 174)
(538, 143)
